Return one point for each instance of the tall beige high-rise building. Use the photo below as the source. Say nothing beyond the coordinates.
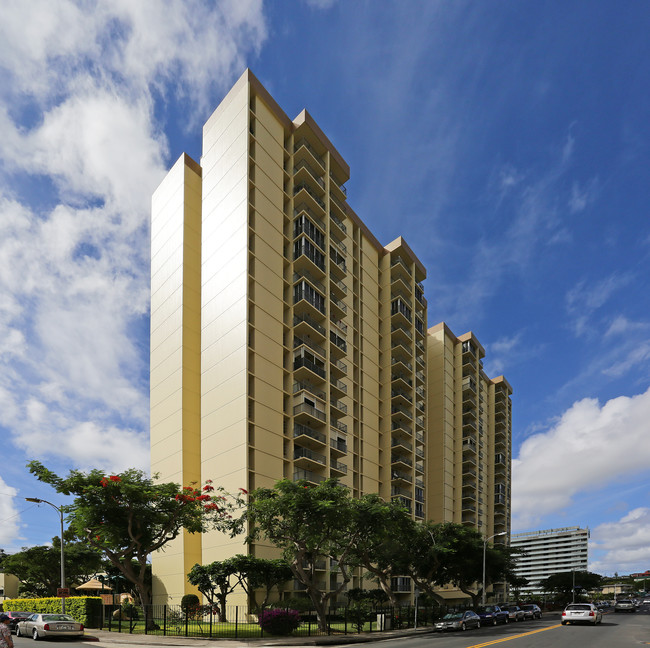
(286, 341)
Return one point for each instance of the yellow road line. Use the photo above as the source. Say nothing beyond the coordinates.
(524, 634)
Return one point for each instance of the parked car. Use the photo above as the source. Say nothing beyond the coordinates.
(625, 605)
(38, 626)
(492, 614)
(515, 613)
(14, 617)
(459, 621)
(581, 613)
(532, 611)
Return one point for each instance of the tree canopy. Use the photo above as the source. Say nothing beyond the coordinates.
(127, 516)
(39, 568)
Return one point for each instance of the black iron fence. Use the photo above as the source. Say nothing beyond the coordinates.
(238, 622)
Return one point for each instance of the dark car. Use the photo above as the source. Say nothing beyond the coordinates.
(14, 617)
(492, 614)
(514, 612)
(531, 611)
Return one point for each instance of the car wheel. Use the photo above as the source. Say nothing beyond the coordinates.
(463, 626)
(494, 622)
(563, 622)
(17, 631)
(478, 625)
(35, 636)
(506, 620)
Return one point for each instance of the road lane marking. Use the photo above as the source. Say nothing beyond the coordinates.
(524, 634)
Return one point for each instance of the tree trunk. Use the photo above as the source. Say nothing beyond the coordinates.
(221, 598)
(320, 606)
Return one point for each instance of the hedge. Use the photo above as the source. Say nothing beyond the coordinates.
(85, 609)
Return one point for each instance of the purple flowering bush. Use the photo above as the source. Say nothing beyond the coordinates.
(278, 621)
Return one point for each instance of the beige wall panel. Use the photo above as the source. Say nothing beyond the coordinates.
(233, 160)
(163, 410)
(266, 186)
(270, 211)
(270, 164)
(165, 386)
(264, 138)
(225, 120)
(232, 179)
(163, 353)
(219, 415)
(265, 116)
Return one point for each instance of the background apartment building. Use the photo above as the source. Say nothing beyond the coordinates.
(286, 341)
(469, 430)
(549, 552)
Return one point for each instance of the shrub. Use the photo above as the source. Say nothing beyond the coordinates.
(85, 609)
(190, 605)
(279, 621)
(359, 612)
(130, 611)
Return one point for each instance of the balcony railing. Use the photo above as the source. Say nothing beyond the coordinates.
(306, 408)
(308, 319)
(306, 453)
(305, 430)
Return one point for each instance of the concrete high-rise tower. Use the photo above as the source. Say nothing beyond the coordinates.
(286, 341)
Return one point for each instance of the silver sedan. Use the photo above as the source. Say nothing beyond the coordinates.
(38, 626)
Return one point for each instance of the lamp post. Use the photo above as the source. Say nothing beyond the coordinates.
(496, 535)
(60, 510)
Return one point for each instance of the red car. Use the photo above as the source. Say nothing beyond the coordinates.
(14, 617)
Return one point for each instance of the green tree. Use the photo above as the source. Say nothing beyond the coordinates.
(562, 583)
(127, 516)
(382, 531)
(39, 568)
(310, 524)
(263, 574)
(215, 581)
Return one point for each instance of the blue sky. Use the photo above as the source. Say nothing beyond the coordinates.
(509, 143)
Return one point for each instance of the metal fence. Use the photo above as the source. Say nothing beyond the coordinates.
(239, 622)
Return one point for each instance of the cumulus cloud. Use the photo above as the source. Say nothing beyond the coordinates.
(622, 545)
(590, 446)
(81, 90)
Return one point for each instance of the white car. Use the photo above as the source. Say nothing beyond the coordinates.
(581, 613)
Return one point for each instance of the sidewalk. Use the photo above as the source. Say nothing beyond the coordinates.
(112, 639)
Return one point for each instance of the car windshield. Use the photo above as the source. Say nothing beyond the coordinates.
(57, 617)
(578, 606)
(453, 615)
(526, 607)
(486, 609)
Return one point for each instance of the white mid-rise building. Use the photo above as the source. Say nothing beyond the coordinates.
(549, 552)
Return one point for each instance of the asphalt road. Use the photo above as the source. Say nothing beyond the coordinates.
(616, 631)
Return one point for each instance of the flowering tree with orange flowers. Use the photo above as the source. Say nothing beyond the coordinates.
(127, 516)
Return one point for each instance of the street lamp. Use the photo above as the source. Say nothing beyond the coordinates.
(496, 535)
(60, 510)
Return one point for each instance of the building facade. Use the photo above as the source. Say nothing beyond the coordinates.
(468, 443)
(286, 341)
(549, 552)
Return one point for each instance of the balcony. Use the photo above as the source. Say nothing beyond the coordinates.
(339, 305)
(306, 341)
(400, 477)
(398, 411)
(301, 319)
(313, 154)
(308, 475)
(401, 397)
(338, 287)
(308, 364)
(338, 446)
(339, 366)
(338, 222)
(339, 343)
(401, 444)
(399, 428)
(339, 205)
(401, 363)
(306, 386)
(401, 313)
(307, 456)
(340, 407)
(303, 165)
(315, 199)
(339, 325)
(337, 263)
(341, 427)
(338, 386)
(338, 467)
(399, 461)
(401, 379)
(308, 435)
(500, 499)
(397, 265)
(307, 412)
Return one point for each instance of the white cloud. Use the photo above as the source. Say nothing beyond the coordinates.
(80, 155)
(622, 545)
(583, 300)
(589, 447)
